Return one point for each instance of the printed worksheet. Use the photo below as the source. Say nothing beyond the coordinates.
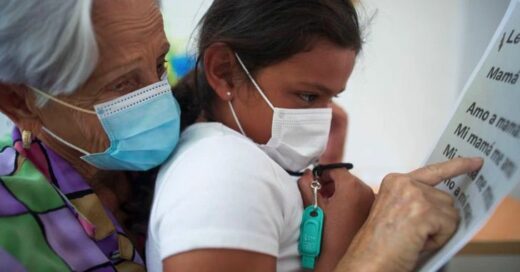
(486, 123)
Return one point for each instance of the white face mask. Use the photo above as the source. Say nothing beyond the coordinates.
(298, 136)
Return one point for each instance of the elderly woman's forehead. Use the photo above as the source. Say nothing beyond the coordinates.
(118, 21)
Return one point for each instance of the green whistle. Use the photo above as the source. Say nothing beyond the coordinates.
(311, 230)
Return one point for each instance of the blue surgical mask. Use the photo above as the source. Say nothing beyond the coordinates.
(143, 128)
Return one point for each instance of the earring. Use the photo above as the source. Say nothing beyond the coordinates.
(26, 139)
(228, 93)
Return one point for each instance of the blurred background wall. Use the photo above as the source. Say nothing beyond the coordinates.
(417, 57)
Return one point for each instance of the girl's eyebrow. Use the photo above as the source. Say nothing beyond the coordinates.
(323, 88)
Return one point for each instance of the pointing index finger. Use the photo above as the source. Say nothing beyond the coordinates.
(436, 173)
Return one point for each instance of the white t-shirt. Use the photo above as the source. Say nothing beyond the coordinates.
(220, 190)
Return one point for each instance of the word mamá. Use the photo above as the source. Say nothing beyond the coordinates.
(503, 76)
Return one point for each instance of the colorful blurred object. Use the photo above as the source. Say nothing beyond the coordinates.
(180, 24)
(178, 65)
(180, 60)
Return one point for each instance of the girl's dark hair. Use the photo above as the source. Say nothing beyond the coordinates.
(263, 33)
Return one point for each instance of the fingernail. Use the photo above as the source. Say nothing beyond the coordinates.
(477, 159)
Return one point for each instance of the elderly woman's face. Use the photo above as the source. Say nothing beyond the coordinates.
(132, 47)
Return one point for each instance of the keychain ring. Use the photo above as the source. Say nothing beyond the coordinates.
(316, 185)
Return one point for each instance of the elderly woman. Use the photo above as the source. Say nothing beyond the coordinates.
(82, 82)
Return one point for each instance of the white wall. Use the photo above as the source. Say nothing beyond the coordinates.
(417, 58)
(404, 86)
(181, 18)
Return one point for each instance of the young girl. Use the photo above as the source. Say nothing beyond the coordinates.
(262, 94)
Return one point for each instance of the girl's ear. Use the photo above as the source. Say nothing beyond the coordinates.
(219, 64)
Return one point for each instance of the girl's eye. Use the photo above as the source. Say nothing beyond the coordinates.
(308, 97)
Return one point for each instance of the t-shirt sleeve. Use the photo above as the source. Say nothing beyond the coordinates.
(221, 193)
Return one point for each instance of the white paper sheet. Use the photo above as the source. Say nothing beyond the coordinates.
(486, 123)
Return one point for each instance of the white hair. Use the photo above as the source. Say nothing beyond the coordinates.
(49, 45)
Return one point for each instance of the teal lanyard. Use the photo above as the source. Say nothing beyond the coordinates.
(311, 228)
(311, 231)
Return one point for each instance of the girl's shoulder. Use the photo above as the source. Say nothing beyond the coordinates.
(214, 165)
(219, 191)
(215, 147)
(211, 156)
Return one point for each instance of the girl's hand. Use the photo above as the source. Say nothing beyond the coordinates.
(337, 136)
(346, 202)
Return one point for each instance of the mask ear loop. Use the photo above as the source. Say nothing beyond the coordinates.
(236, 118)
(254, 81)
(61, 140)
(54, 99)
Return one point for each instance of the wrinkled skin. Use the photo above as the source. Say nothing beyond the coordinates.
(409, 217)
(132, 45)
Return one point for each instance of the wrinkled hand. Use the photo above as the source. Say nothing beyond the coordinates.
(408, 217)
(346, 202)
